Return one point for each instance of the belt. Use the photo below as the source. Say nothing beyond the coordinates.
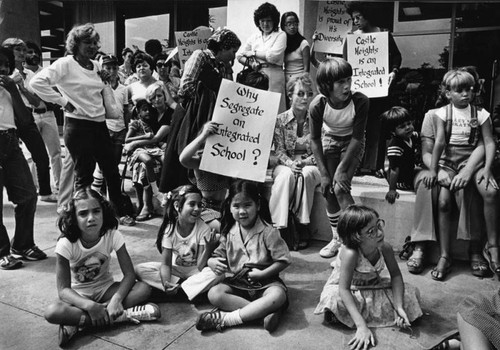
(339, 138)
(39, 110)
(8, 131)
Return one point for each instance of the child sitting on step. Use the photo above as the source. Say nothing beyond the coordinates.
(400, 151)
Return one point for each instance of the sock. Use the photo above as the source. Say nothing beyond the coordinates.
(154, 187)
(334, 220)
(232, 319)
(98, 181)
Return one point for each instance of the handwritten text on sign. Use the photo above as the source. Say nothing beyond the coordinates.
(368, 55)
(332, 26)
(188, 42)
(242, 144)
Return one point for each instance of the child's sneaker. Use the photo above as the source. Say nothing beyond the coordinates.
(136, 314)
(331, 249)
(66, 333)
(208, 321)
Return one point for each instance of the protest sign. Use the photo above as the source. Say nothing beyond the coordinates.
(368, 55)
(332, 26)
(246, 118)
(188, 42)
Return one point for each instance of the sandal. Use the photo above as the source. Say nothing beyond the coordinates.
(494, 265)
(479, 266)
(144, 217)
(416, 262)
(441, 270)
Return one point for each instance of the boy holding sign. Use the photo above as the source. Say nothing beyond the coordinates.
(338, 153)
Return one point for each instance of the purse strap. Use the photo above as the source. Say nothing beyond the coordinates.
(299, 188)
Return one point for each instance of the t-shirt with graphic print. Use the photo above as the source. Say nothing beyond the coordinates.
(185, 249)
(461, 127)
(90, 266)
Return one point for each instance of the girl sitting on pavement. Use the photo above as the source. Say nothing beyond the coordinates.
(185, 242)
(355, 294)
(88, 294)
(254, 253)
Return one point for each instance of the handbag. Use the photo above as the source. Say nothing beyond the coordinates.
(290, 234)
(241, 77)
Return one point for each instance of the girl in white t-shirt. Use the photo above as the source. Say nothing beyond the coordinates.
(185, 243)
(460, 128)
(88, 294)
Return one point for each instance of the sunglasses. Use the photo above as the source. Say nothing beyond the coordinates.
(302, 94)
(161, 65)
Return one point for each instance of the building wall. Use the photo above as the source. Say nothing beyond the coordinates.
(19, 18)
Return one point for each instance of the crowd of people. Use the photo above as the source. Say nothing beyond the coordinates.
(221, 236)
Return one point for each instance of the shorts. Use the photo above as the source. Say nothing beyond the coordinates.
(94, 293)
(455, 158)
(336, 146)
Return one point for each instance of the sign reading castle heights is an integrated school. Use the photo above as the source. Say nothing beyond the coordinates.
(368, 55)
(242, 145)
(188, 42)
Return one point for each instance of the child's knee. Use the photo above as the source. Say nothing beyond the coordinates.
(215, 295)
(142, 290)
(52, 313)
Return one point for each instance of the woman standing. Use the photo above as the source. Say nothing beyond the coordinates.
(203, 73)
(267, 48)
(297, 55)
(293, 151)
(80, 84)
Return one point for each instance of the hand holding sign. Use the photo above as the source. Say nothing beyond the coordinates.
(242, 131)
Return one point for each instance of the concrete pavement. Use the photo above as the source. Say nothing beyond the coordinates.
(25, 293)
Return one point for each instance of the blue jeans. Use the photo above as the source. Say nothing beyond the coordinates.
(16, 177)
(89, 142)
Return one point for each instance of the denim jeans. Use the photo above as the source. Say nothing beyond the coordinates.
(89, 142)
(16, 177)
(30, 135)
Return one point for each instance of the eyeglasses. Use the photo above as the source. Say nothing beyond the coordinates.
(292, 24)
(161, 65)
(303, 93)
(373, 231)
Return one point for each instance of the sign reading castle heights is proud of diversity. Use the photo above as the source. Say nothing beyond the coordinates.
(368, 55)
(332, 26)
(242, 145)
(188, 42)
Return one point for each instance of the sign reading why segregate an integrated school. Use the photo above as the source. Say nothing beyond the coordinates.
(242, 145)
(368, 55)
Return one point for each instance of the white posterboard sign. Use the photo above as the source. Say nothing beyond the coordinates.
(332, 25)
(188, 42)
(368, 55)
(242, 145)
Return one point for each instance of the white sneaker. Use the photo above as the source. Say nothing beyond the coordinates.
(331, 249)
(136, 314)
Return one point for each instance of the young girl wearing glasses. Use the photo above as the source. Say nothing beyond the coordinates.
(355, 293)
